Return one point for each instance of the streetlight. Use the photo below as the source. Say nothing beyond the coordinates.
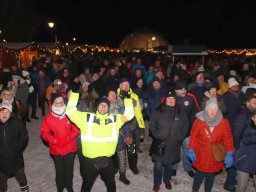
(51, 25)
(74, 39)
(150, 42)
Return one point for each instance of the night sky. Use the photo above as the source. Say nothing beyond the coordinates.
(217, 24)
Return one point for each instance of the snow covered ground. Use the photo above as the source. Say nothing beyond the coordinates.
(41, 175)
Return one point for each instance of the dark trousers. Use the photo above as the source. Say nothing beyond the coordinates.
(33, 104)
(133, 156)
(91, 172)
(64, 167)
(41, 103)
(208, 179)
(231, 177)
(20, 177)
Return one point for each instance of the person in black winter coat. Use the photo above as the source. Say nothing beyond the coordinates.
(13, 140)
(245, 158)
(170, 124)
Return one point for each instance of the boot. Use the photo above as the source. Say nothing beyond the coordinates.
(156, 188)
(24, 188)
(168, 185)
(124, 179)
(191, 173)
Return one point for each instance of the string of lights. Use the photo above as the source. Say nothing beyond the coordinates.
(57, 49)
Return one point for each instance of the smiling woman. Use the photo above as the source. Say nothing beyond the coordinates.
(14, 135)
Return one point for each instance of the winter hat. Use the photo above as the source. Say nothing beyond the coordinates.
(6, 105)
(180, 84)
(250, 93)
(86, 83)
(123, 80)
(103, 100)
(232, 73)
(25, 73)
(17, 77)
(54, 96)
(156, 79)
(171, 93)
(212, 102)
(231, 82)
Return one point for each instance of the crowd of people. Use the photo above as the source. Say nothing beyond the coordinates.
(95, 106)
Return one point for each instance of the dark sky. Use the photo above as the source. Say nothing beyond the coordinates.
(214, 23)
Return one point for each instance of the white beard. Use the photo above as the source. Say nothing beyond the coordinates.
(59, 110)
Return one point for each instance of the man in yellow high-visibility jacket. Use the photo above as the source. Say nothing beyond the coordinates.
(136, 125)
(99, 136)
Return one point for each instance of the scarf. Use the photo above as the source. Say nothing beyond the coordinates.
(59, 110)
(211, 122)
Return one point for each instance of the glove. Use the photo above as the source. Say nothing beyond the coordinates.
(142, 134)
(124, 94)
(229, 158)
(192, 155)
(76, 88)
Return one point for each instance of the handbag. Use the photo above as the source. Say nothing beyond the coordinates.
(158, 147)
(218, 150)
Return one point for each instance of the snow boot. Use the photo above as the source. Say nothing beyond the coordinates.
(124, 179)
(24, 188)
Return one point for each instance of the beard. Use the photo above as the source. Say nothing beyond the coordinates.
(59, 110)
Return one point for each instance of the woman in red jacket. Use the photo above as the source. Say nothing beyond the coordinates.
(61, 134)
(209, 127)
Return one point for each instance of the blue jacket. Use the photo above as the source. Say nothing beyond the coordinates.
(245, 158)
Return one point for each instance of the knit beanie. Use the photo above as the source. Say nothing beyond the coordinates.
(6, 105)
(231, 82)
(211, 103)
(54, 96)
(103, 100)
(123, 80)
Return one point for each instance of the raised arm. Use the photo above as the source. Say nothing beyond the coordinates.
(77, 117)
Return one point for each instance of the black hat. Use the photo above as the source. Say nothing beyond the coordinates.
(170, 93)
(124, 80)
(180, 84)
(103, 100)
(54, 96)
(250, 93)
(156, 79)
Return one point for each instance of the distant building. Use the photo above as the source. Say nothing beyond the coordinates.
(143, 40)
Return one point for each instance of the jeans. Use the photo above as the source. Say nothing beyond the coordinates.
(162, 172)
(208, 179)
(186, 162)
(187, 165)
(242, 181)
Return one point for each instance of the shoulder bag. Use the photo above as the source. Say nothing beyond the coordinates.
(158, 147)
(218, 150)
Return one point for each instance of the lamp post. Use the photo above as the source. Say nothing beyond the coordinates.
(150, 42)
(51, 25)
